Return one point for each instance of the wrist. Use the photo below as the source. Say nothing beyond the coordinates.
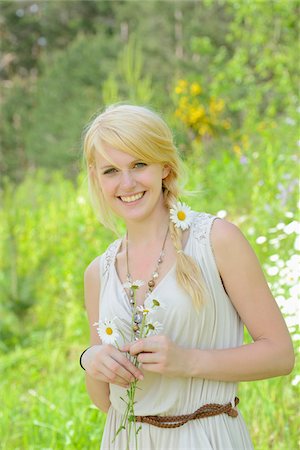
(81, 358)
(195, 363)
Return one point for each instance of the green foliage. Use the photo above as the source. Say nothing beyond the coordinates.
(49, 237)
(62, 62)
(46, 226)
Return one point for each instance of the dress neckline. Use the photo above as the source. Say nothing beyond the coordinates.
(164, 278)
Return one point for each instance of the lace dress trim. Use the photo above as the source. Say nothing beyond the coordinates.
(110, 255)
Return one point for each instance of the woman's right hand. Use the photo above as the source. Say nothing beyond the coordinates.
(106, 363)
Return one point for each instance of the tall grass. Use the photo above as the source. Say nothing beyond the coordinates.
(49, 235)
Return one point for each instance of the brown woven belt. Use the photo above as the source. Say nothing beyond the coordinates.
(208, 410)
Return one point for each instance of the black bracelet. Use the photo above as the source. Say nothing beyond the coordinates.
(81, 357)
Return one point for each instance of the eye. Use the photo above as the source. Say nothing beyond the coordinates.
(110, 171)
(139, 165)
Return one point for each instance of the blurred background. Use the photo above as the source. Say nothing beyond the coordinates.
(225, 76)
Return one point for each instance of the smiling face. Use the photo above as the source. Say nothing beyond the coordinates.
(130, 186)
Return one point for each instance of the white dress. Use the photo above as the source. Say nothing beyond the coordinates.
(217, 326)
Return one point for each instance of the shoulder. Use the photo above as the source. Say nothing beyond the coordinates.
(225, 235)
(233, 253)
(91, 273)
(101, 263)
(220, 233)
(92, 282)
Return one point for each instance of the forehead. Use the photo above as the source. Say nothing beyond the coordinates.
(111, 156)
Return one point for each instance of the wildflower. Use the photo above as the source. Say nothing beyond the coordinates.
(222, 213)
(154, 327)
(181, 215)
(107, 331)
(144, 310)
(181, 86)
(152, 305)
(133, 284)
(243, 160)
(195, 89)
(196, 114)
(296, 380)
(216, 106)
(272, 271)
(292, 227)
(261, 240)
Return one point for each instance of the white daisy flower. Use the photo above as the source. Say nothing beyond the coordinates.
(156, 304)
(133, 284)
(144, 309)
(107, 331)
(154, 327)
(181, 215)
(152, 304)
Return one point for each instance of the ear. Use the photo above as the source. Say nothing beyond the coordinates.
(166, 171)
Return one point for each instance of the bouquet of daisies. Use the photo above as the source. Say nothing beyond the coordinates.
(109, 333)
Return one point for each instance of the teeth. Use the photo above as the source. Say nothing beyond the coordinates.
(132, 198)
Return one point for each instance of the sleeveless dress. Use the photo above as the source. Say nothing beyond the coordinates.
(217, 326)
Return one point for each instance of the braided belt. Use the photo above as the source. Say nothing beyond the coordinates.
(208, 410)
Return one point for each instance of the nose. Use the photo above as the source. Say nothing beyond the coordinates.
(127, 180)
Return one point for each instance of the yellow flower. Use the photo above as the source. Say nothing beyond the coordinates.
(245, 141)
(195, 89)
(196, 114)
(237, 150)
(204, 129)
(178, 90)
(181, 86)
(183, 102)
(216, 106)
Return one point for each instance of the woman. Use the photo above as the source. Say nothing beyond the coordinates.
(200, 268)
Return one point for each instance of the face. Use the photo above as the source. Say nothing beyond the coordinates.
(131, 187)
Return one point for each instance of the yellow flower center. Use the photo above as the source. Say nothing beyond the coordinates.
(109, 331)
(181, 215)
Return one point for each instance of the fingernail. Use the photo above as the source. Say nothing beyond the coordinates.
(141, 377)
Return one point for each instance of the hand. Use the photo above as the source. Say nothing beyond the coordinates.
(107, 363)
(161, 355)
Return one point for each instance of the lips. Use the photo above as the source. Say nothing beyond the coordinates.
(132, 198)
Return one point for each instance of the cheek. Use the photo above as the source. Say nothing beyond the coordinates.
(151, 179)
(107, 186)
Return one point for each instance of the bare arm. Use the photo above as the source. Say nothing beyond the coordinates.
(98, 390)
(104, 364)
(271, 354)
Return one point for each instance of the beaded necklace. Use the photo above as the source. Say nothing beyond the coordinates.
(138, 315)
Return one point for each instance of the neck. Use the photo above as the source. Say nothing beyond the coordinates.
(152, 229)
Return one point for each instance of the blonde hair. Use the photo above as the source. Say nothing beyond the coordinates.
(140, 132)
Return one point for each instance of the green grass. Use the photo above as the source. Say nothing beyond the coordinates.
(44, 404)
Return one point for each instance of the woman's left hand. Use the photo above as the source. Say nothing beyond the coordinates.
(159, 354)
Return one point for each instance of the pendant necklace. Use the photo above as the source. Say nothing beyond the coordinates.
(138, 315)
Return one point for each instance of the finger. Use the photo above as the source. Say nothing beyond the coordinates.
(129, 370)
(117, 371)
(124, 362)
(110, 377)
(147, 358)
(126, 347)
(152, 368)
(144, 345)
